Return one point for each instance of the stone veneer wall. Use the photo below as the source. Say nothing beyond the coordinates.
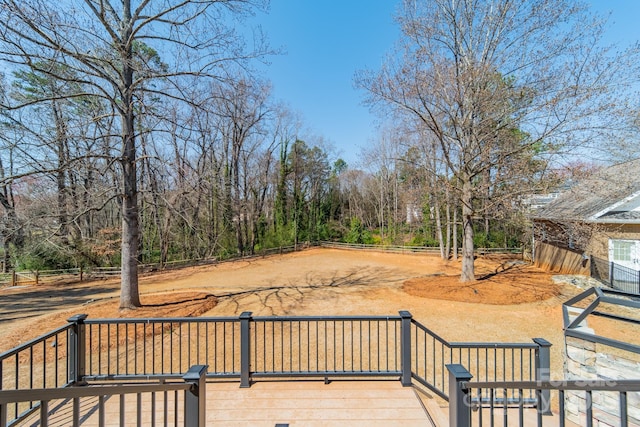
(592, 361)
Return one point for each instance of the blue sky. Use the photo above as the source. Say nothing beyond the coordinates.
(327, 41)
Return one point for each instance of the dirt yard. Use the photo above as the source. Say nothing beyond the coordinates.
(510, 302)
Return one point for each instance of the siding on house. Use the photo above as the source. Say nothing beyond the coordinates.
(581, 222)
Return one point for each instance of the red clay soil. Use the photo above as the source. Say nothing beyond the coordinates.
(510, 302)
(177, 304)
(379, 279)
(513, 284)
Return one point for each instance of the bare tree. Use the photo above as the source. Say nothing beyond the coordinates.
(241, 108)
(501, 85)
(382, 158)
(106, 45)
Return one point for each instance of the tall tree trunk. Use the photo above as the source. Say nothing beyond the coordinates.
(129, 294)
(468, 274)
(441, 243)
(455, 232)
(449, 224)
(61, 136)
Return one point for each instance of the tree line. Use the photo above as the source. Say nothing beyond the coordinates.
(140, 131)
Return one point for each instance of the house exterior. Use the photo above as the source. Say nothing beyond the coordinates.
(597, 218)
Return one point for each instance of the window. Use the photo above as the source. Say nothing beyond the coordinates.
(621, 250)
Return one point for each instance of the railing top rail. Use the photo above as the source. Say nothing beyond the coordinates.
(322, 318)
(236, 319)
(21, 347)
(602, 340)
(478, 345)
(32, 395)
(430, 332)
(493, 345)
(619, 292)
(573, 385)
(160, 320)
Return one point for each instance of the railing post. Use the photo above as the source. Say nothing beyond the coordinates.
(543, 373)
(405, 348)
(3, 415)
(611, 268)
(459, 402)
(245, 350)
(76, 348)
(195, 398)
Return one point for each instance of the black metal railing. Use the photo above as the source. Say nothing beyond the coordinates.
(248, 348)
(40, 363)
(624, 279)
(124, 348)
(325, 346)
(154, 404)
(487, 361)
(479, 403)
(615, 275)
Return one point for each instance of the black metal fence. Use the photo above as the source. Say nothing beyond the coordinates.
(129, 348)
(487, 361)
(321, 346)
(615, 275)
(248, 348)
(154, 404)
(478, 403)
(42, 362)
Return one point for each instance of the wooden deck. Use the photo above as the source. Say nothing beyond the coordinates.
(270, 403)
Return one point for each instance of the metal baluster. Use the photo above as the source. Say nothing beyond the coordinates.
(433, 364)
(153, 408)
(57, 384)
(44, 413)
(76, 412)
(188, 346)
(135, 347)
(624, 417)
(309, 345)
(101, 413)
(165, 408)
(109, 367)
(561, 415)
(480, 407)
(206, 346)
(589, 403)
(44, 364)
(351, 333)
(122, 411)
(175, 407)
(180, 368)
(520, 407)
(343, 346)
(491, 406)
(505, 403)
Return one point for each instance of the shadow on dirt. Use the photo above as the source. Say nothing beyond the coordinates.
(44, 299)
(278, 298)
